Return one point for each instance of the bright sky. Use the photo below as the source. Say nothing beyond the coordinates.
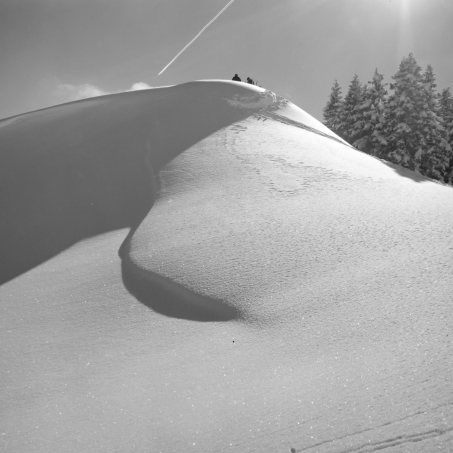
(53, 51)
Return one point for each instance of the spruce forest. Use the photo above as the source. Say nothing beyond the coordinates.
(411, 124)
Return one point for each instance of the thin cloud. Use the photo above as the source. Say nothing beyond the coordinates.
(66, 92)
(76, 92)
(139, 86)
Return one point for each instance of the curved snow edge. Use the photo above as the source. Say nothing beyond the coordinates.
(268, 103)
(290, 122)
(168, 297)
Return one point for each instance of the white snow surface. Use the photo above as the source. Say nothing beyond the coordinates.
(254, 101)
(284, 291)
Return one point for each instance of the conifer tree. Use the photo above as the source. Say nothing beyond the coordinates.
(350, 109)
(368, 134)
(331, 111)
(436, 148)
(412, 128)
(446, 112)
(359, 130)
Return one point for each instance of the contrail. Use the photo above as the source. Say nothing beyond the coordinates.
(201, 31)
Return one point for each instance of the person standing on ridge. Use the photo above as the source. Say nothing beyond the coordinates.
(236, 77)
(249, 80)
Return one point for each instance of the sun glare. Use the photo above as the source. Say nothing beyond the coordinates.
(405, 40)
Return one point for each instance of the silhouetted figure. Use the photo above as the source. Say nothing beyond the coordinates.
(236, 77)
(249, 80)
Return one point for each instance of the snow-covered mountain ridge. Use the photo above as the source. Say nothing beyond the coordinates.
(183, 269)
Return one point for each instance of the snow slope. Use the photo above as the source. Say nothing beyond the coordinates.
(284, 290)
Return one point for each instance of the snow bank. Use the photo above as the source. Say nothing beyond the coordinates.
(254, 101)
(182, 273)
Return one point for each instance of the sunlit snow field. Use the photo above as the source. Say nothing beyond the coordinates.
(207, 268)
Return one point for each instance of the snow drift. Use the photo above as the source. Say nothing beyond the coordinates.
(206, 267)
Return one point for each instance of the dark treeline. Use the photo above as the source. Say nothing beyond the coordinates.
(412, 125)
